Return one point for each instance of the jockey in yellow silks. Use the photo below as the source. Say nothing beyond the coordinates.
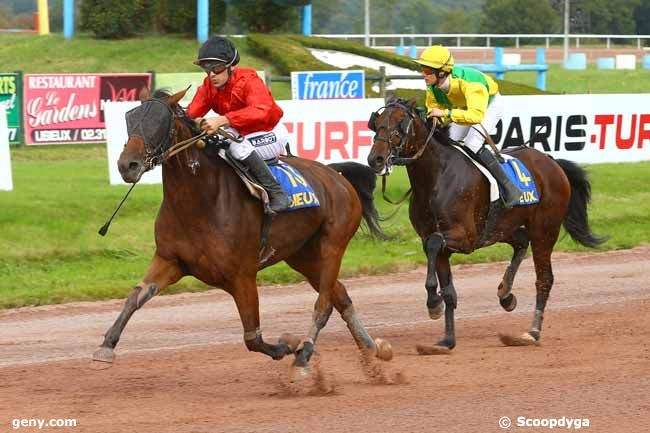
(468, 99)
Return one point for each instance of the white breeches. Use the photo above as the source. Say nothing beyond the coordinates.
(269, 144)
(473, 134)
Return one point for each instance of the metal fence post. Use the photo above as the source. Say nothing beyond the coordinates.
(267, 77)
(382, 81)
(541, 75)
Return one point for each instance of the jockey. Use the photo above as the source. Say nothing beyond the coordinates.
(467, 98)
(245, 107)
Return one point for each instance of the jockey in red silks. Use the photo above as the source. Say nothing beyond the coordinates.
(245, 107)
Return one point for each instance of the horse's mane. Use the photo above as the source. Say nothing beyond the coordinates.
(178, 110)
(441, 134)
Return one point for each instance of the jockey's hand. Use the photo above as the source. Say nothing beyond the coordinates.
(437, 112)
(212, 124)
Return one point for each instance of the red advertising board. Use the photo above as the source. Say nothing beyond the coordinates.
(69, 108)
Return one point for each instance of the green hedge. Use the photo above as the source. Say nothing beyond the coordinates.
(291, 53)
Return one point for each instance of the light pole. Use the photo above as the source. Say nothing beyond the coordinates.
(367, 22)
(566, 30)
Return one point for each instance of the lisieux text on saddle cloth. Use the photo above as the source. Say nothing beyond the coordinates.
(296, 186)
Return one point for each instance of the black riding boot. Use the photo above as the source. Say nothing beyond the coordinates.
(278, 199)
(511, 192)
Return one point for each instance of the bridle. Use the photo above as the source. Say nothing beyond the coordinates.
(156, 154)
(403, 132)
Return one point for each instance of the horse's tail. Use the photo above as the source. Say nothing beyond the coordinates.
(364, 181)
(576, 221)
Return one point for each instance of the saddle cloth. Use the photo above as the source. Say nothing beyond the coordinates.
(300, 193)
(516, 171)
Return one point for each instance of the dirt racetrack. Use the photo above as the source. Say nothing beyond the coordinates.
(181, 365)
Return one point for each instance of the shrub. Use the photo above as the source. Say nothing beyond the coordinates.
(116, 19)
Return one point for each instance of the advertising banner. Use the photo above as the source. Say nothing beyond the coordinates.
(327, 131)
(330, 130)
(68, 108)
(580, 128)
(10, 86)
(6, 183)
(328, 85)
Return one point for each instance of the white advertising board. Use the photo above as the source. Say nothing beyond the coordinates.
(581, 128)
(324, 130)
(6, 183)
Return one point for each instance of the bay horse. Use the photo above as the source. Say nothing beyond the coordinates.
(450, 205)
(210, 227)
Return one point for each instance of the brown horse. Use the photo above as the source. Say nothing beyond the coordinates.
(450, 210)
(210, 227)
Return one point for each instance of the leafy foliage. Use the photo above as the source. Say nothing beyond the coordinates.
(117, 19)
(264, 16)
(520, 16)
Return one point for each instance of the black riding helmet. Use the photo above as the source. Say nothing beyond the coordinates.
(217, 52)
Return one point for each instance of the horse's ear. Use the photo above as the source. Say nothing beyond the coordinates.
(413, 102)
(144, 94)
(176, 97)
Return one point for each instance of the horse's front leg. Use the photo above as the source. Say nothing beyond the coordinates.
(448, 293)
(161, 273)
(432, 246)
(244, 292)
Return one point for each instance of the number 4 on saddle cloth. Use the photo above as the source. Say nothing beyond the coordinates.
(519, 174)
(516, 171)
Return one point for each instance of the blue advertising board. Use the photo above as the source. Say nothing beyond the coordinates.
(328, 85)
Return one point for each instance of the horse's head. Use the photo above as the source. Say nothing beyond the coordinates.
(395, 126)
(151, 130)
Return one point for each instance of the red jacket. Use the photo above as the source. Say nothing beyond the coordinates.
(244, 100)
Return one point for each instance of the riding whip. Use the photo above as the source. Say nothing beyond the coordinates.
(102, 231)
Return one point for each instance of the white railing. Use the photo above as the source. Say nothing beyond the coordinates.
(409, 39)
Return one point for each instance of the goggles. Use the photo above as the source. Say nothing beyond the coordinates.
(427, 70)
(214, 67)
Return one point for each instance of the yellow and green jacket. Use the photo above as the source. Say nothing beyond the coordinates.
(470, 92)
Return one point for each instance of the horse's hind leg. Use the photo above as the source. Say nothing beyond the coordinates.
(322, 275)
(161, 273)
(519, 242)
(244, 292)
(542, 242)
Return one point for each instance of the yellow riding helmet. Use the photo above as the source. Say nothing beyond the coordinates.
(437, 57)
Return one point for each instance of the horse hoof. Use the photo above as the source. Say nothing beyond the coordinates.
(383, 349)
(299, 374)
(104, 354)
(509, 303)
(432, 350)
(523, 340)
(436, 313)
(290, 340)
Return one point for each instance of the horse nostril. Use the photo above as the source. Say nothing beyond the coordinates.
(134, 166)
(379, 160)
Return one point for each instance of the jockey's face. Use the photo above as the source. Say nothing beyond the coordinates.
(430, 76)
(219, 77)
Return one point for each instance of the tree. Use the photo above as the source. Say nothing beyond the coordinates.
(116, 19)
(642, 15)
(519, 16)
(264, 16)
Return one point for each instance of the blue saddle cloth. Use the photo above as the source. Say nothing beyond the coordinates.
(297, 188)
(520, 175)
